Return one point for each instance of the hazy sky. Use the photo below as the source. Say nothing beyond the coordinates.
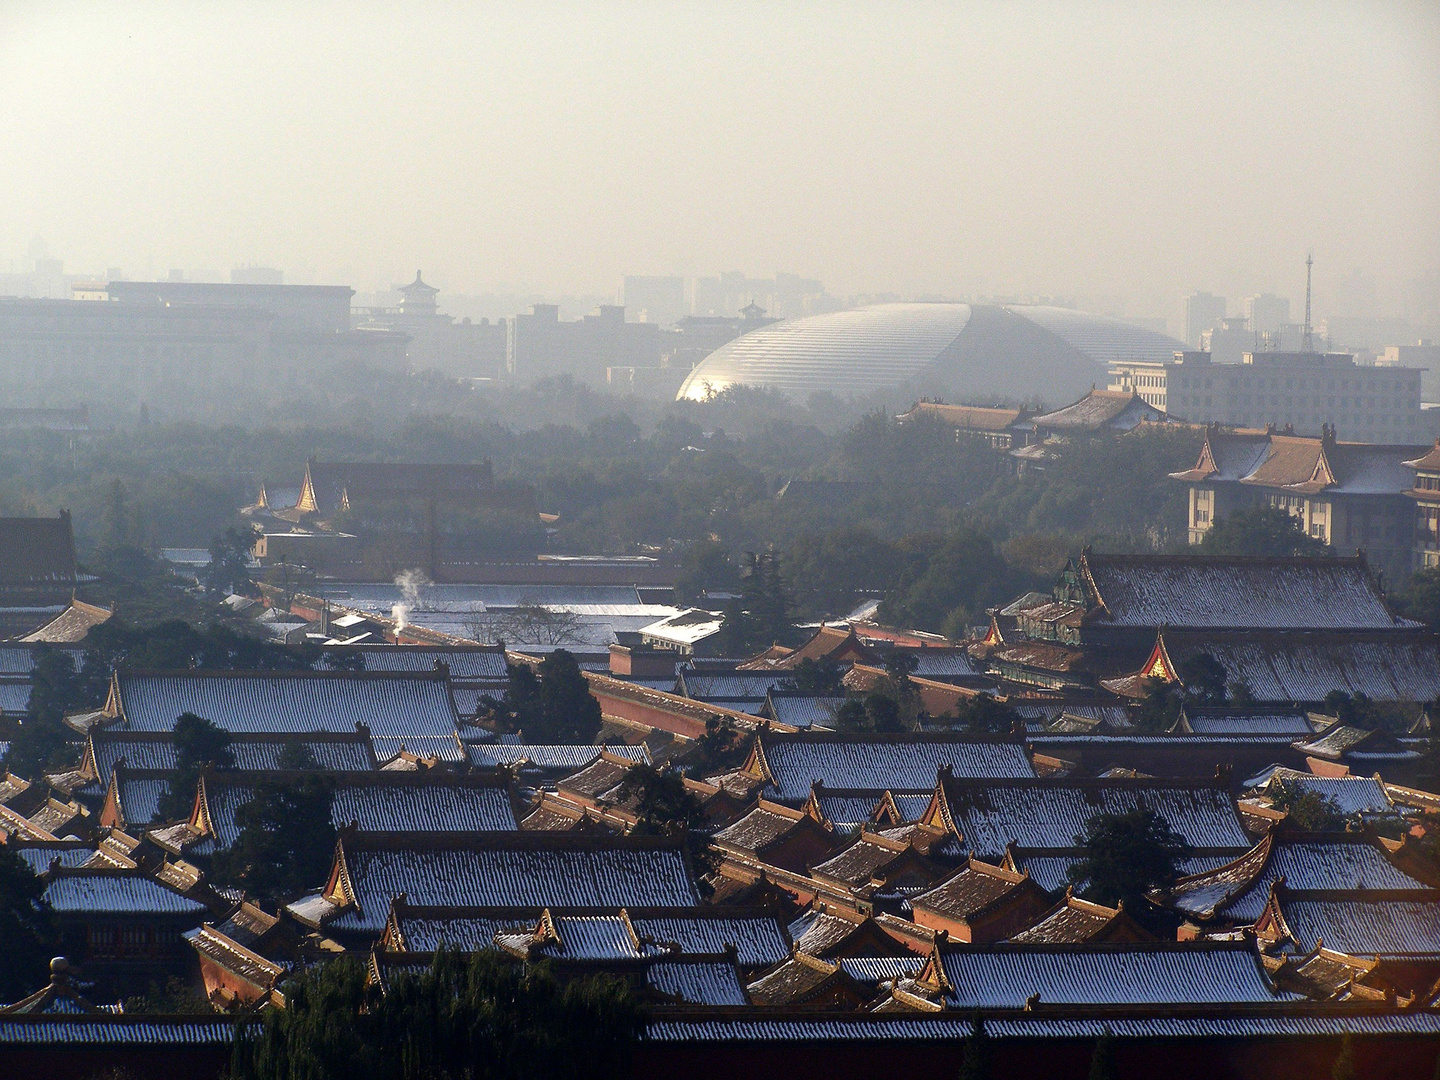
(1135, 150)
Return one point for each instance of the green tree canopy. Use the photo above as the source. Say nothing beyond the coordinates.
(978, 1062)
(1308, 810)
(1260, 530)
(1124, 856)
(56, 688)
(983, 715)
(199, 744)
(285, 839)
(27, 929)
(481, 1017)
(229, 567)
(553, 703)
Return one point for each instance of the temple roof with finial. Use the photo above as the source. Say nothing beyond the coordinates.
(418, 288)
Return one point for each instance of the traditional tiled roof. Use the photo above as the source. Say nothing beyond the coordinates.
(329, 486)
(881, 763)
(477, 663)
(42, 855)
(1007, 976)
(1306, 666)
(71, 625)
(508, 870)
(798, 980)
(1231, 592)
(802, 710)
(707, 685)
(1074, 921)
(762, 826)
(967, 417)
(94, 893)
(1119, 409)
(390, 704)
(1303, 465)
(702, 982)
(1352, 795)
(37, 551)
(757, 939)
(1047, 814)
(944, 663)
(1342, 743)
(146, 750)
(137, 796)
(594, 780)
(14, 698)
(1240, 889)
(550, 758)
(1364, 927)
(1225, 1021)
(374, 802)
(233, 956)
(976, 888)
(1236, 721)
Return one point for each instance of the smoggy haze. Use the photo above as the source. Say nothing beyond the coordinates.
(1136, 150)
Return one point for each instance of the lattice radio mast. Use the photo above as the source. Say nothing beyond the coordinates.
(1307, 343)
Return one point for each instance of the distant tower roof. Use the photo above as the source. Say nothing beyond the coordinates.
(419, 288)
(418, 298)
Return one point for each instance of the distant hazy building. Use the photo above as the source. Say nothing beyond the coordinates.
(539, 345)
(1229, 341)
(936, 350)
(257, 275)
(785, 296)
(1202, 311)
(660, 300)
(1302, 391)
(321, 309)
(177, 344)
(1423, 354)
(436, 342)
(1267, 313)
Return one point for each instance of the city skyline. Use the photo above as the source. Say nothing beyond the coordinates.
(1103, 154)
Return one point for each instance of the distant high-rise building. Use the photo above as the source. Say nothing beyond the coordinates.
(540, 345)
(660, 300)
(1202, 311)
(1229, 340)
(1267, 313)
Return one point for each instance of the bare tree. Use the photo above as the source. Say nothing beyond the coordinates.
(527, 623)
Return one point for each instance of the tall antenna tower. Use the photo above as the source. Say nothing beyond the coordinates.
(1307, 343)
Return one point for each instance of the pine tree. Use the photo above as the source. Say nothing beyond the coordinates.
(27, 932)
(1102, 1061)
(199, 745)
(978, 1062)
(1344, 1067)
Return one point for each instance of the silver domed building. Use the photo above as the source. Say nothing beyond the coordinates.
(909, 350)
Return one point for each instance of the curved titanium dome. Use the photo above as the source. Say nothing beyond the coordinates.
(912, 349)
